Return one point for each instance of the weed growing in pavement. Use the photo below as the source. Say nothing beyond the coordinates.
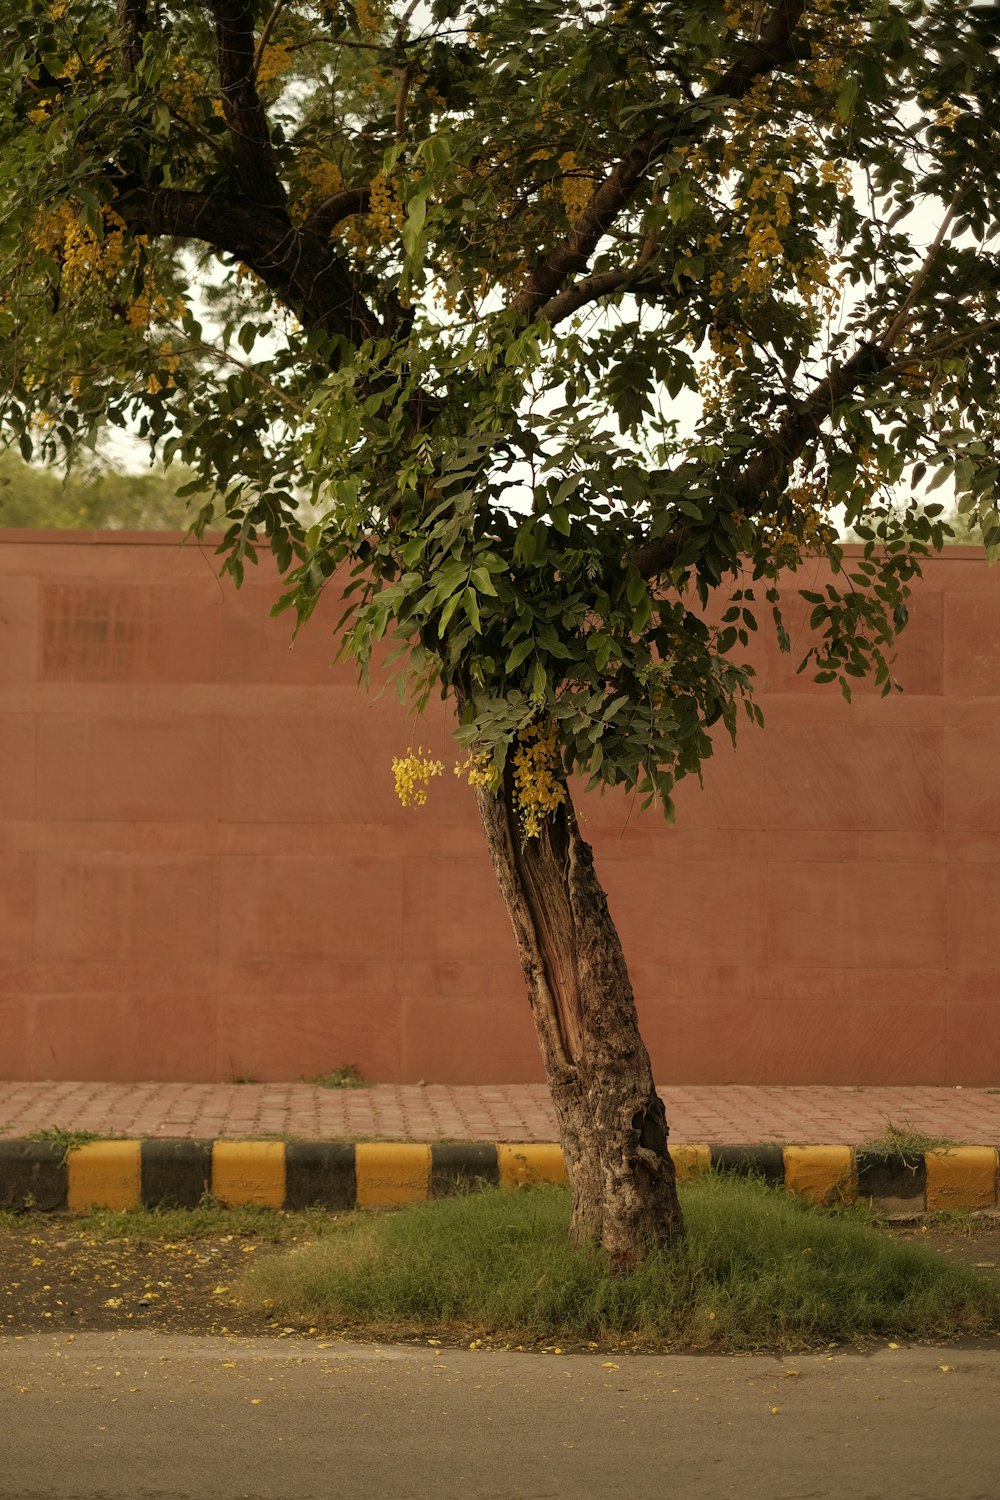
(68, 1140)
(905, 1140)
(346, 1077)
(759, 1269)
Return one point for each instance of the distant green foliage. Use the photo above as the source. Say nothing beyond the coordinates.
(91, 498)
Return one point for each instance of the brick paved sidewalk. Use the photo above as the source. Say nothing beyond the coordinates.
(730, 1114)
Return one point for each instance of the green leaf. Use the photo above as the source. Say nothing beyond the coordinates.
(518, 654)
(483, 582)
(471, 605)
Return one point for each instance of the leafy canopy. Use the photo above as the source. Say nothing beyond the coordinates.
(569, 316)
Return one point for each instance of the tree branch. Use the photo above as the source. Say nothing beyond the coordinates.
(133, 23)
(774, 47)
(593, 288)
(256, 168)
(265, 35)
(774, 459)
(901, 321)
(339, 206)
(299, 267)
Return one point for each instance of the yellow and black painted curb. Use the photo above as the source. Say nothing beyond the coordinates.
(122, 1174)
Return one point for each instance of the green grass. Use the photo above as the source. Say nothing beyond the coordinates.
(760, 1270)
(208, 1221)
(905, 1140)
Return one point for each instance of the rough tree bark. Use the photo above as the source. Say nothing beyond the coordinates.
(612, 1123)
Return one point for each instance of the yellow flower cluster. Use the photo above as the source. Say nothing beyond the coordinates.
(324, 178)
(370, 17)
(146, 309)
(182, 89)
(412, 773)
(841, 35)
(276, 60)
(385, 212)
(575, 188)
(768, 194)
(802, 526)
(476, 768)
(537, 783)
(84, 257)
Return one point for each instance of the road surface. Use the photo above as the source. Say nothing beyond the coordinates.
(139, 1416)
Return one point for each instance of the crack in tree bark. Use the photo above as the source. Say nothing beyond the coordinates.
(612, 1123)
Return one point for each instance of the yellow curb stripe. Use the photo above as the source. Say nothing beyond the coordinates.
(249, 1172)
(390, 1173)
(824, 1174)
(530, 1162)
(104, 1174)
(964, 1177)
(690, 1160)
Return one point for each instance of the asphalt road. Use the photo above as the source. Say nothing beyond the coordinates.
(141, 1416)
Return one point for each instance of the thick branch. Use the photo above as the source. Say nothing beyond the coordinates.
(774, 47)
(603, 284)
(333, 210)
(256, 169)
(300, 268)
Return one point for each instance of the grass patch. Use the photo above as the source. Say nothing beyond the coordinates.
(760, 1270)
(905, 1140)
(208, 1221)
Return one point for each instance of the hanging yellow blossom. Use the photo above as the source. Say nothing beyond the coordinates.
(538, 783)
(411, 773)
(385, 212)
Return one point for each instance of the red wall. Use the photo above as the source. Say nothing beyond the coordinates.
(204, 871)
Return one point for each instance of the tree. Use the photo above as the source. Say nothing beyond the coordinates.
(584, 324)
(95, 497)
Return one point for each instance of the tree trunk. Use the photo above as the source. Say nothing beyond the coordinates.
(612, 1123)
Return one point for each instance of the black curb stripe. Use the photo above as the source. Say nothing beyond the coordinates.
(767, 1162)
(320, 1173)
(33, 1174)
(462, 1166)
(888, 1178)
(174, 1174)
